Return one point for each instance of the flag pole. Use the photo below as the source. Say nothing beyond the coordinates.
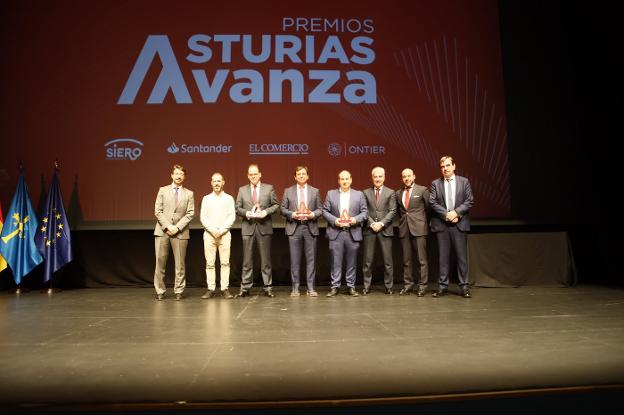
(51, 289)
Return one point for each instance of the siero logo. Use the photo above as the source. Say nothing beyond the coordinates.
(337, 149)
(198, 149)
(283, 149)
(123, 149)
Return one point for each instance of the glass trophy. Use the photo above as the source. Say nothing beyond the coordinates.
(345, 219)
(303, 212)
(256, 211)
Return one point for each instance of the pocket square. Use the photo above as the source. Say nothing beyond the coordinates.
(415, 196)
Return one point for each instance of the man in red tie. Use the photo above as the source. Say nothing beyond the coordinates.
(413, 230)
(301, 206)
(382, 207)
(255, 203)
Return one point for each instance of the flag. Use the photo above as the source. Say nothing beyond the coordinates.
(3, 263)
(53, 237)
(17, 240)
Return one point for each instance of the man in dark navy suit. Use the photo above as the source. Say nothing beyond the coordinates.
(450, 200)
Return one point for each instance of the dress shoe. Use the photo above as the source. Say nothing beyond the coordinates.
(160, 297)
(312, 293)
(353, 293)
(405, 291)
(421, 292)
(366, 291)
(242, 293)
(178, 296)
(466, 293)
(226, 294)
(269, 292)
(389, 291)
(295, 293)
(333, 292)
(440, 293)
(209, 294)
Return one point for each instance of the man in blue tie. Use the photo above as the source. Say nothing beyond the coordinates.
(450, 200)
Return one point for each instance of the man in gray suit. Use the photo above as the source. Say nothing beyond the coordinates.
(255, 203)
(451, 199)
(413, 206)
(174, 209)
(381, 204)
(301, 206)
(345, 211)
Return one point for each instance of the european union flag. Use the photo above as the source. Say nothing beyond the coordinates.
(53, 236)
(17, 240)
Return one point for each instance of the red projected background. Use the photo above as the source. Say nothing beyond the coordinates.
(121, 91)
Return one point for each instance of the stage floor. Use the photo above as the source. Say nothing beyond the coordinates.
(119, 345)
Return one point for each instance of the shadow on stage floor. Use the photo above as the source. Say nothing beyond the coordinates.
(506, 349)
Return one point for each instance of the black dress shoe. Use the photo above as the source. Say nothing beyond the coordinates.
(421, 292)
(353, 293)
(209, 294)
(333, 292)
(439, 293)
(226, 294)
(405, 291)
(178, 297)
(366, 291)
(389, 291)
(466, 293)
(242, 293)
(160, 297)
(269, 292)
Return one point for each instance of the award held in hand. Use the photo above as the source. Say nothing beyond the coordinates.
(303, 212)
(256, 211)
(345, 219)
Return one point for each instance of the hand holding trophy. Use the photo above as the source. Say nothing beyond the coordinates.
(303, 213)
(345, 219)
(255, 212)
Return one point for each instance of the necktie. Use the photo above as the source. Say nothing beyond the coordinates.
(254, 195)
(302, 196)
(177, 200)
(377, 194)
(407, 195)
(449, 196)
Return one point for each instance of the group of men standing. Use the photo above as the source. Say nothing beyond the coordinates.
(353, 217)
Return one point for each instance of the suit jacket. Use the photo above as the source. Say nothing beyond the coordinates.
(357, 210)
(289, 206)
(267, 201)
(383, 212)
(463, 202)
(413, 221)
(168, 213)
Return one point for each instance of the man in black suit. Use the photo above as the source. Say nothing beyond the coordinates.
(451, 199)
(301, 206)
(255, 203)
(381, 204)
(413, 206)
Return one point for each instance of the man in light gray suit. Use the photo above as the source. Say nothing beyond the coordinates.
(301, 206)
(381, 204)
(255, 203)
(451, 199)
(174, 209)
(413, 207)
(344, 210)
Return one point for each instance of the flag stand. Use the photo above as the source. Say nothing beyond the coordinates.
(20, 290)
(50, 289)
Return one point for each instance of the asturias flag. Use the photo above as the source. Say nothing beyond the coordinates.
(17, 240)
(53, 237)
(3, 263)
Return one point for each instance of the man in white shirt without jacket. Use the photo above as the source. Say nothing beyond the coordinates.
(217, 216)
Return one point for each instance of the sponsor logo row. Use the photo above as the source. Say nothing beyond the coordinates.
(132, 149)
